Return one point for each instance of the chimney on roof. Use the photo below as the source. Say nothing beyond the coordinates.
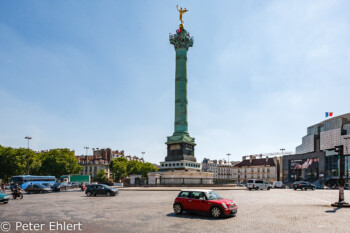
(251, 158)
(267, 159)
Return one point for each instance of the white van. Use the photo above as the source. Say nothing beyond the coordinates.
(277, 184)
(258, 185)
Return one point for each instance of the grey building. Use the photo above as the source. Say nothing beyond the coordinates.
(326, 135)
(315, 158)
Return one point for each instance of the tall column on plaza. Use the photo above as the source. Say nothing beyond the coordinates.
(181, 42)
(180, 144)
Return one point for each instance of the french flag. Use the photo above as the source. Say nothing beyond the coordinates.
(329, 114)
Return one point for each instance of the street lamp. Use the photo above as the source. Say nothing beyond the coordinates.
(282, 149)
(143, 155)
(28, 138)
(228, 165)
(86, 147)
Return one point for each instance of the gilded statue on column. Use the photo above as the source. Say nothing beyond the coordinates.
(181, 11)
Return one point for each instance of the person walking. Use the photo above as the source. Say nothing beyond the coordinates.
(2, 187)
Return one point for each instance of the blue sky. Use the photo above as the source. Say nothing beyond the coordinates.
(101, 74)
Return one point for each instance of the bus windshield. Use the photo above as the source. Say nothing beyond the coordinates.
(16, 180)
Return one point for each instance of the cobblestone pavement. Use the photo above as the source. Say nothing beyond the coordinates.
(151, 211)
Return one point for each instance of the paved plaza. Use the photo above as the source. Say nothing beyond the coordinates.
(151, 211)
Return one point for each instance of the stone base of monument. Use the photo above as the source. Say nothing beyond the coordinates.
(180, 165)
(180, 178)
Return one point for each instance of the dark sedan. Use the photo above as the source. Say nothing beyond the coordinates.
(303, 185)
(37, 188)
(59, 187)
(100, 189)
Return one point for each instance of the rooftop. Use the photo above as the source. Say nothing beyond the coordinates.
(257, 162)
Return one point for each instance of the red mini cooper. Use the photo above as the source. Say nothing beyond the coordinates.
(207, 201)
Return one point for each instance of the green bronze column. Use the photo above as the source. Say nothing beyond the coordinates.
(181, 125)
(180, 144)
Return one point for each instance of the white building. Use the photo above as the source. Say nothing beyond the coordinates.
(220, 168)
(256, 167)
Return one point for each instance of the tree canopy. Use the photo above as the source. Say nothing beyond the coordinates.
(121, 168)
(22, 161)
(101, 176)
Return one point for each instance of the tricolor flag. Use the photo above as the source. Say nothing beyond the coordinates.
(329, 114)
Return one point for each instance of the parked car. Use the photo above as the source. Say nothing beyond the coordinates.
(100, 189)
(207, 201)
(277, 184)
(303, 185)
(59, 187)
(4, 198)
(37, 188)
(258, 184)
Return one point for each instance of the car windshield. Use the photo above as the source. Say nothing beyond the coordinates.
(106, 186)
(213, 196)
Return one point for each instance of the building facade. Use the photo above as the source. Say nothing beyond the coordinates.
(256, 167)
(315, 159)
(308, 166)
(220, 168)
(101, 159)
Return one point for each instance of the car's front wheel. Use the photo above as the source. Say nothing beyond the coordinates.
(268, 188)
(257, 188)
(216, 212)
(177, 208)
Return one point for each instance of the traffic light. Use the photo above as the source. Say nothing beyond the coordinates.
(339, 150)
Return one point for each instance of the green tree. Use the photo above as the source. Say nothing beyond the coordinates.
(58, 162)
(134, 167)
(146, 168)
(118, 167)
(101, 176)
(16, 162)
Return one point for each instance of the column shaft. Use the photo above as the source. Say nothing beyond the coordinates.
(181, 125)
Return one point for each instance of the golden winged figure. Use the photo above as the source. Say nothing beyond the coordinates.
(181, 11)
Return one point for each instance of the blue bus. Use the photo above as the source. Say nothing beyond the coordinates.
(24, 181)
